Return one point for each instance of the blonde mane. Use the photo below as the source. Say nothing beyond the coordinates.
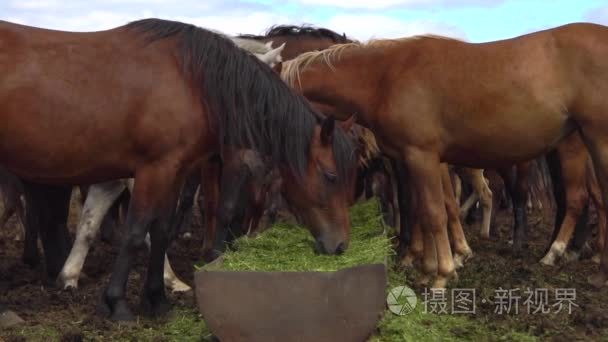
(291, 69)
(366, 141)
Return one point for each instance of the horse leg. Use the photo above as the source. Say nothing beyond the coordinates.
(153, 201)
(210, 186)
(48, 216)
(482, 189)
(457, 183)
(425, 175)
(596, 196)
(110, 222)
(8, 212)
(97, 203)
(462, 251)
(582, 232)
(170, 279)
(183, 216)
(389, 169)
(515, 184)
(468, 204)
(31, 255)
(594, 136)
(410, 235)
(570, 191)
(385, 197)
(21, 215)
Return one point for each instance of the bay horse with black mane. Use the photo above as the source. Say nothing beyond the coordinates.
(167, 96)
(299, 39)
(432, 99)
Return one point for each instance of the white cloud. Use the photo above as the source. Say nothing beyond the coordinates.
(598, 15)
(252, 23)
(358, 26)
(375, 4)
(384, 4)
(35, 4)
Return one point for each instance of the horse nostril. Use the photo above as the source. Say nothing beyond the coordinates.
(341, 248)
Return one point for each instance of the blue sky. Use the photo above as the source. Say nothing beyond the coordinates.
(473, 20)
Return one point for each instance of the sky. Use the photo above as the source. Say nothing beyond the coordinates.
(471, 20)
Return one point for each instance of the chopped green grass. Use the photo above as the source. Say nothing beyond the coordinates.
(289, 247)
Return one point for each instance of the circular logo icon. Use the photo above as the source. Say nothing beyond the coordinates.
(401, 300)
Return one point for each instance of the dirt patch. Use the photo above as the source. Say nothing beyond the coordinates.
(66, 315)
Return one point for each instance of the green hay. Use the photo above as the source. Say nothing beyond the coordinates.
(289, 247)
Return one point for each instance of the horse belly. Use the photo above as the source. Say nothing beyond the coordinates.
(517, 138)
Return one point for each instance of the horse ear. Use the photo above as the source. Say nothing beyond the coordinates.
(273, 56)
(327, 130)
(278, 67)
(269, 44)
(347, 125)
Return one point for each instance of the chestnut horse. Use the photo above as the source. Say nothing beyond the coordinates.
(432, 99)
(302, 39)
(167, 96)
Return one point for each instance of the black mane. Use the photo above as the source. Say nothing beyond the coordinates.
(300, 31)
(245, 99)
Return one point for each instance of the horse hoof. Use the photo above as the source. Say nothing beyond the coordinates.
(548, 260)
(424, 281)
(122, 313)
(407, 263)
(485, 236)
(187, 236)
(31, 261)
(119, 312)
(458, 261)
(67, 283)
(180, 287)
(598, 280)
(9, 319)
(211, 255)
(571, 256)
(596, 259)
(155, 307)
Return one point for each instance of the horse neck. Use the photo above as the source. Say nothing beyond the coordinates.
(350, 87)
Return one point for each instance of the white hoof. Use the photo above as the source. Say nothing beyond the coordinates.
(548, 260)
(68, 283)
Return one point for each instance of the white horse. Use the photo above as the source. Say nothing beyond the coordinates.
(101, 197)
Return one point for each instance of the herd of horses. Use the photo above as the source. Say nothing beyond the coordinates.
(161, 114)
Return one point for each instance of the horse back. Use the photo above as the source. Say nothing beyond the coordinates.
(101, 103)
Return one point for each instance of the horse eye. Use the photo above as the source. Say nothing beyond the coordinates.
(330, 176)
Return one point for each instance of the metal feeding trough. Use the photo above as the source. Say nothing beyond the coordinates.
(344, 305)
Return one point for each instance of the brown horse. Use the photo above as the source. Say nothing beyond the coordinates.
(431, 99)
(167, 96)
(299, 39)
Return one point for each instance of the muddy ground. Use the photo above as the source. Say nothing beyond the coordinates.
(71, 316)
